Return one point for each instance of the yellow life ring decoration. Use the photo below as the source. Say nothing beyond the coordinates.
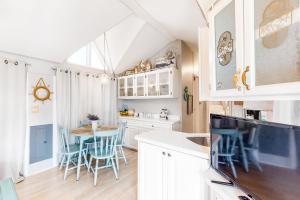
(41, 91)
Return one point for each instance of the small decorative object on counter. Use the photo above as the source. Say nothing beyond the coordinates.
(131, 112)
(163, 113)
(124, 110)
(94, 119)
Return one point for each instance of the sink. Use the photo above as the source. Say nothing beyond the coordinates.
(203, 141)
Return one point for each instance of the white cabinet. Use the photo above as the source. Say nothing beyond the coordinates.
(226, 48)
(170, 175)
(126, 86)
(150, 172)
(254, 48)
(140, 85)
(138, 126)
(155, 84)
(272, 46)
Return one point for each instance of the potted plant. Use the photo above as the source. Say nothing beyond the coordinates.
(94, 119)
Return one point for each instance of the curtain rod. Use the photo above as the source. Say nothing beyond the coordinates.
(67, 70)
(14, 62)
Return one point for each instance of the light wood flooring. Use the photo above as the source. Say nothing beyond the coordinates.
(50, 185)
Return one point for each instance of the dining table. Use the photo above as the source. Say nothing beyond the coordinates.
(86, 132)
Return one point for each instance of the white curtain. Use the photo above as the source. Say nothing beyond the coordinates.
(80, 94)
(12, 119)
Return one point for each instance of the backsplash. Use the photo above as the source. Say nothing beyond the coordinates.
(152, 105)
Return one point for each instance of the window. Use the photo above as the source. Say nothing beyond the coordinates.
(79, 57)
(87, 56)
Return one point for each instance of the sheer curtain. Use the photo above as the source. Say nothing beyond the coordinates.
(12, 119)
(79, 94)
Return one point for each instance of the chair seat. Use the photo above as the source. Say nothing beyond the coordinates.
(103, 155)
(91, 140)
(74, 148)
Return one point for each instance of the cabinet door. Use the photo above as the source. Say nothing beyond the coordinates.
(150, 172)
(131, 132)
(122, 89)
(152, 84)
(226, 47)
(272, 46)
(130, 86)
(164, 82)
(140, 85)
(185, 177)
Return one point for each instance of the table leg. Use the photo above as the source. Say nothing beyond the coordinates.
(79, 159)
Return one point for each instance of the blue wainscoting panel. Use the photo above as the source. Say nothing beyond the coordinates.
(41, 143)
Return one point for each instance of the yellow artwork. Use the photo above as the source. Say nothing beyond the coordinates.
(41, 91)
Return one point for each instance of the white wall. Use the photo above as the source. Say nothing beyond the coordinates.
(46, 112)
(152, 105)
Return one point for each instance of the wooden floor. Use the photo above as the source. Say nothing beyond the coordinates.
(50, 185)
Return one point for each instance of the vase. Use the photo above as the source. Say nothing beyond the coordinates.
(94, 125)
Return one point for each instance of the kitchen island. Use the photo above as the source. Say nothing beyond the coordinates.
(171, 166)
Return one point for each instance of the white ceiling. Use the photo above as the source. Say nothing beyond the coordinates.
(181, 18)
(54, 29)
(131, 41)
(135, 29)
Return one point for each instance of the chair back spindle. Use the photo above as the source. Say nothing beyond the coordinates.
(64, 139)
(121, 135)
(105, 143)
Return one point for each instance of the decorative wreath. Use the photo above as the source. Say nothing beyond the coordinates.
(41, 91)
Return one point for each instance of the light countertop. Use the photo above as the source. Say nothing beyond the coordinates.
(176, 141)
(154, 120)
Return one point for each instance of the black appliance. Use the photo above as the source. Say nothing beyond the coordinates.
(262, 158)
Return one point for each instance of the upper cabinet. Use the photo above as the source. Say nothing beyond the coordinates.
(226, 38)
(254, 48)
(272, 46)
(154, 84)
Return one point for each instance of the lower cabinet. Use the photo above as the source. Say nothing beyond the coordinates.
(135, 127)
(170, 175)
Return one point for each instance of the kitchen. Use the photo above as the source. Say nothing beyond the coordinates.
(150, 100)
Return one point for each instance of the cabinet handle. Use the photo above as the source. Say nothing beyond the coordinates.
(169, 155)
(244, 78)
(164, 153)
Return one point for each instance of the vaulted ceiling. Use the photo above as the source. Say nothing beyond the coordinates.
(135, 29)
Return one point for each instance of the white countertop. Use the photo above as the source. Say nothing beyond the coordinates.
(176, 141)
(155, 120)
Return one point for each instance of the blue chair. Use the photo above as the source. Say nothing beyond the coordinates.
(89, 142)
(7, 190)
(105, 149)
(227, 145)
(120, 143)
(70, 152)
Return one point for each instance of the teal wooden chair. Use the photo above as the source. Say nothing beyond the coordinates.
(120, 143)
(105, 150)
(7, 190)
(89, 143)
(70, 152)
(227, 145)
